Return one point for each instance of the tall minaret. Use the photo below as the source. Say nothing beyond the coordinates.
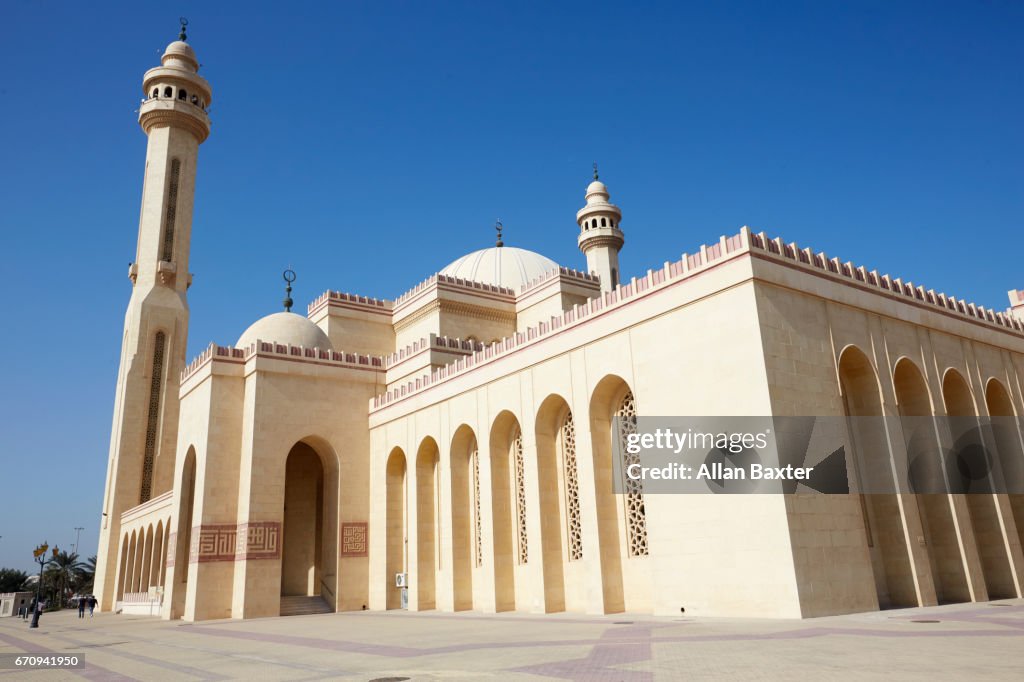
(600, 237)
(144, 433)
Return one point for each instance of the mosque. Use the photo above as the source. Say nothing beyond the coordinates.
(453, 448)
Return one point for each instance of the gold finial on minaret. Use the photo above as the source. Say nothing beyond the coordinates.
(499, 227)
(184, 22)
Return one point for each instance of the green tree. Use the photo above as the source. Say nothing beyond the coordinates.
(12, 580)
(62, 573)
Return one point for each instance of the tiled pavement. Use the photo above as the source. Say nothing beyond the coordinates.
(967, 641)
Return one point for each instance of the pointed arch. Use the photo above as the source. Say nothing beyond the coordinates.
(427, 514)
(561, 536)
(397, 542)
(622, 519)
(466, 524)
(509, 545)
(1009, 444)
(916, 409)
(891, 557)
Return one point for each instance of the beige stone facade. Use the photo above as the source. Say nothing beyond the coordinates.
(459, 437)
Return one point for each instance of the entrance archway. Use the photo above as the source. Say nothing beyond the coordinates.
(937, 521)
(183, 536)
(509, 545)
(983, 507)
(396, 519)
(883, 520)
(427, 458)
(302, 534)
(465, 515)
(1007, 436)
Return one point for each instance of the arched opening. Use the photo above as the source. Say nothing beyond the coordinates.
(159, 550)
(1006, 435)
(561, 536)
(621, 519)
(183, 536)
(427, 554)
(509, 540)
(983, 507)
(883, 520)
(123, 575)
(604, 222)
(155, 93)
(168, 91)
(302, 541)
(467, 545)
(147, 561)
(926, 472)
(396, 518)
(182, 95)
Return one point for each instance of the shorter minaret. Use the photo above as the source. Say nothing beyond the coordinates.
(600, 237)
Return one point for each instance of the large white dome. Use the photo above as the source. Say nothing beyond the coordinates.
(505, 266)
(285, 328)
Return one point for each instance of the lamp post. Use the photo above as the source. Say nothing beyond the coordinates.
(39, 554)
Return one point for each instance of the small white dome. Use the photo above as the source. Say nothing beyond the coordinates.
(285, 328)
(504, 266)
(597, 186)
(180, 51)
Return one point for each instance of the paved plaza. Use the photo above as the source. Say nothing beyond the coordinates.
(957, 641)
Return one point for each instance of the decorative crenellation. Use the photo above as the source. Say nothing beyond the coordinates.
(583, 277)
(685, 267)
(894, 285)
(377, 304)
(690, 265)
(433, 342)
(270, 349)
(467, 284)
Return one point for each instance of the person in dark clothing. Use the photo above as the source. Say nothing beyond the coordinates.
(81, 607)
(92, 604)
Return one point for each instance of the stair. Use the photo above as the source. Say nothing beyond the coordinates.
(304, 606)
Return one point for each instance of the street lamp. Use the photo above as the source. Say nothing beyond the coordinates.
(39, 554)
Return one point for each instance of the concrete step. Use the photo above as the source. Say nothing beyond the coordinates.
(304, 606)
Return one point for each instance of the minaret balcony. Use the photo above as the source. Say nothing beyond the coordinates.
(159, 112)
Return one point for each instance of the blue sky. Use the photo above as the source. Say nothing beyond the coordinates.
(368, 144)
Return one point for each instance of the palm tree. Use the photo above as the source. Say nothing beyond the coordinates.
(64, 570)
(85, 576)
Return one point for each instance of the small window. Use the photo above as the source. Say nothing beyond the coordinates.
(182, 95)
(604, 222)
(168, 91)
(156, 93)
(195, 100)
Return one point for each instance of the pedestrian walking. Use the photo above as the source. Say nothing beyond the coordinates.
(92, 604)
(81, 607)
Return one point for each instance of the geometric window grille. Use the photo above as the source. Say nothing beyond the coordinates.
(636, 514)
(153, 418)
(478, 541)
(517, 457)
(572, 488)
(172, 210)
